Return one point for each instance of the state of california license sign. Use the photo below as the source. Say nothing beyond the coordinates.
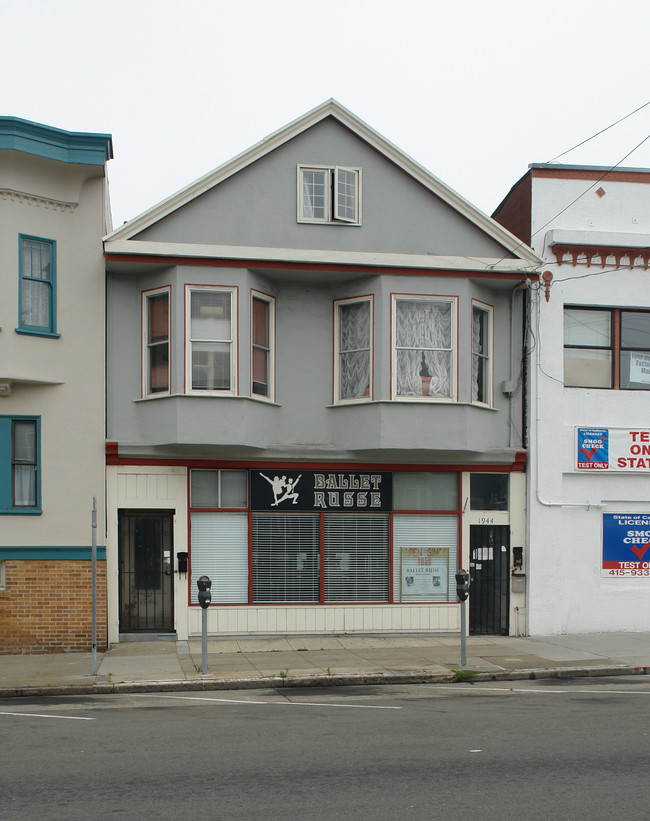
(626, 544)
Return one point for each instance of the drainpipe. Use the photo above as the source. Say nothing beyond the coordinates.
(514, 368)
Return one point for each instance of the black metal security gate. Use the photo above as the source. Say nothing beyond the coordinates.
(489, 567)
(146, 578)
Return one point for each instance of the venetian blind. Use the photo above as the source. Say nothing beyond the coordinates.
(356, 558)
(286, 557)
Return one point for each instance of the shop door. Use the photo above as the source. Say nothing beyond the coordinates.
(146, 578)
(489, 567)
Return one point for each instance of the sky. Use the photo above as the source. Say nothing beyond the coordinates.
(472, 90)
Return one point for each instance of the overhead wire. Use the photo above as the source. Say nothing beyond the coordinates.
(586, 191)
(598, 133)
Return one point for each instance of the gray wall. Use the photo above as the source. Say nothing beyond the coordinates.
(257, 206)
(303, 423)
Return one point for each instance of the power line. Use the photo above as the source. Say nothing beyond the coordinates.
(598, 133)
(593, 185)
(609, 170)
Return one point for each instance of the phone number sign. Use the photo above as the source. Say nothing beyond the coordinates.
(626, 544)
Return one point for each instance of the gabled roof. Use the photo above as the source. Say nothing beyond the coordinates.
(331, 108)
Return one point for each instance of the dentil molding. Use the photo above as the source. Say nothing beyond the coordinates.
(35, 201)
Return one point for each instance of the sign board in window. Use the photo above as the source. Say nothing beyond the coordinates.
(424, 573)
(640, 368)
(626, 544)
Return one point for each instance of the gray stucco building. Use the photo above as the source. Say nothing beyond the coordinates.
(314, 393)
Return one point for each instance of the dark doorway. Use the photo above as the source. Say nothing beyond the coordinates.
(489, 596)
(146, 578)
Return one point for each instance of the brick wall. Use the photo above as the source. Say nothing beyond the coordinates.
(47, 607)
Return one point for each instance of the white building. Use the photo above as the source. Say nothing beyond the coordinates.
(588, 556)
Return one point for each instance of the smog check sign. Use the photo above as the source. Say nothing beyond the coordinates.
(593, 449)
(613, 449)
(626, 544)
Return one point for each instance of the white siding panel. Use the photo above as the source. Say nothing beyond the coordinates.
(242, 621)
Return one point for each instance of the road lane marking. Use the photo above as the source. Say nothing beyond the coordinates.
(477, 689)
(47, 715)
(290, 703)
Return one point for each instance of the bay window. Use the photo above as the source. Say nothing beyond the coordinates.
(353, 349)
(211, 322)
(262, 339)
(37, 286)
(19, 464)
(424, 333)
(155, 324)
(481, 353)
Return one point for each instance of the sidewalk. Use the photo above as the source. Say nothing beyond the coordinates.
(323, 660)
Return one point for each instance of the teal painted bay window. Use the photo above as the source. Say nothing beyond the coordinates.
(37, 286)
(19, 464)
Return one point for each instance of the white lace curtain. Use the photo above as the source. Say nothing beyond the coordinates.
(354, 350)
(423, 346)
(480, 355)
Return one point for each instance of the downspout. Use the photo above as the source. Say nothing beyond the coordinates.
(512, 388)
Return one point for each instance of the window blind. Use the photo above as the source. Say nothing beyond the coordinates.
(219, 545)
(422, 531)
(286, 557)
(356, 558)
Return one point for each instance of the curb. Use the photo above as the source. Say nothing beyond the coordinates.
(345, 680)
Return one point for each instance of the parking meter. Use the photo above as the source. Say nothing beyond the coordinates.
(204, 583)
(462, 585)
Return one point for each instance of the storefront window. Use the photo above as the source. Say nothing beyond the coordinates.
(488, 491)
(220, 550)
(425, 491)
(425, 558)
(356, 558)
(218, 488)
(286, 557)
(310, 537)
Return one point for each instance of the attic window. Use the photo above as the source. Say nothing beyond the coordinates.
(329, 194)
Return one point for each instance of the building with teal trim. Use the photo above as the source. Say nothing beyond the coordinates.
(53, 214)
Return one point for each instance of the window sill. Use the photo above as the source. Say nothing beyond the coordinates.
(209, 395)
(352, 403)
(412, 400)
(340, 223)
(47, 334)
(22, 511)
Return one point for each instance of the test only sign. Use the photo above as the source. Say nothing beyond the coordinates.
(626, 544)
(613, 449)
(424, 573)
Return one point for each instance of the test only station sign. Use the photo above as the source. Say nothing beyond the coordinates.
(613, 449)
(626, 544)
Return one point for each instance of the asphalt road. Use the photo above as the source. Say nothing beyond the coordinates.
(531, 750)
